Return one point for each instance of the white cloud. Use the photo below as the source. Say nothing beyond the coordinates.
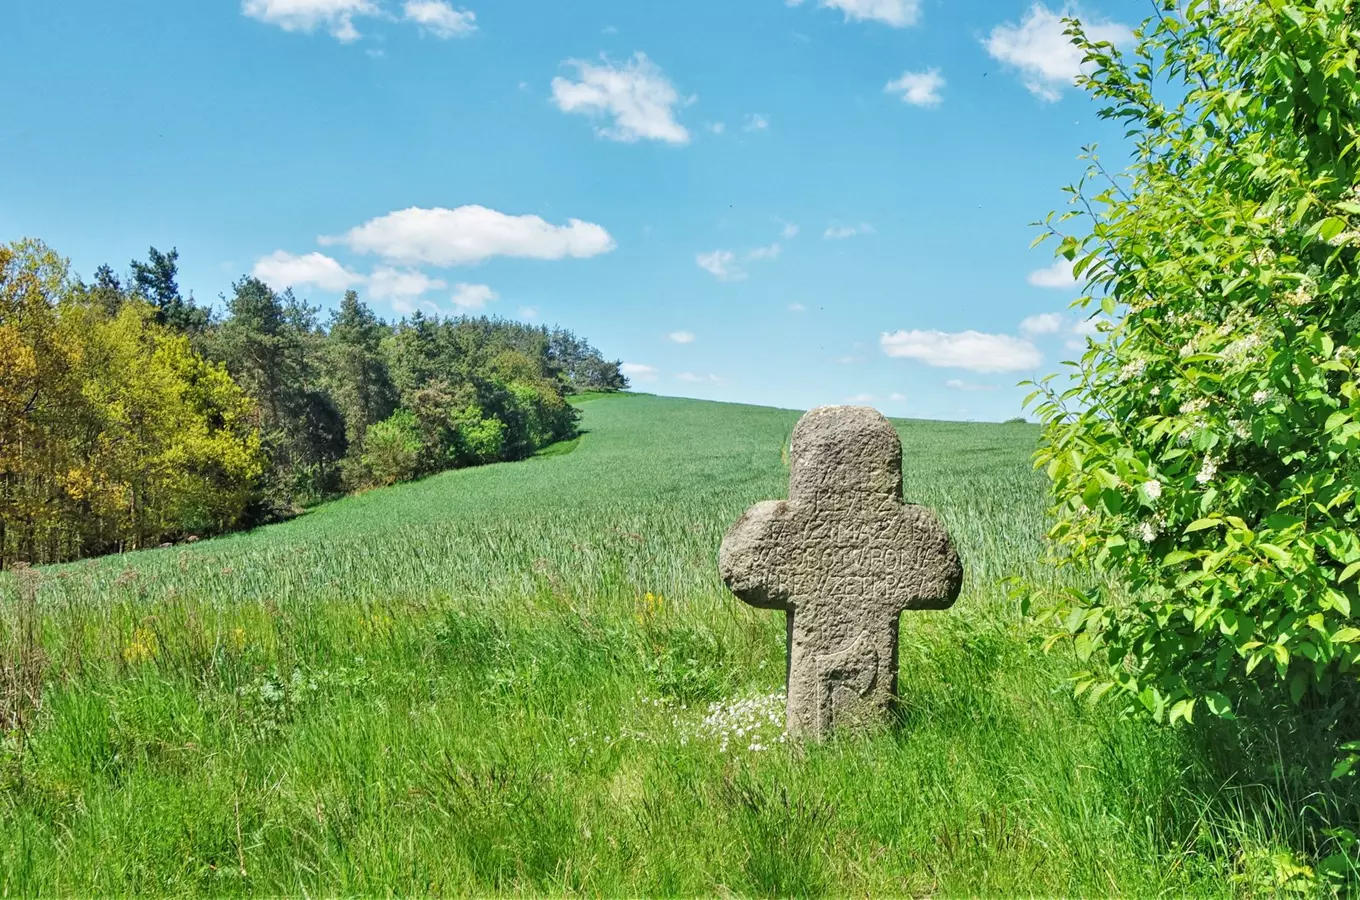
(336, 16)
(790, 231)
(841, 232)
(281, 270)
(387, 282)
(797, 307)
(958, 385)
(972, 350)
(528, 312)
(716, 127)
(721, 264)
(472, 296)
(1045, 57)
(694, 379)
(440, 19)
(897, 398)
(637, 95)
(862, 398)
(1058, 275)
(1041, 323)
(681, 337)
(897, 13)
(638, 371)
(918, 88)
(762, 253)
(470, 234)
(755, 122)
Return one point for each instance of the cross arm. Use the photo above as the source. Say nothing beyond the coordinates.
(751, 559)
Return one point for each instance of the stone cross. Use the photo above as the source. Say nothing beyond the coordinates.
(843, 557)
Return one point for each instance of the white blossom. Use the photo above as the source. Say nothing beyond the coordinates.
(1207, 470)
(1152, 490)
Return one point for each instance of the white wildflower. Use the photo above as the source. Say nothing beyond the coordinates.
(1152, 490)
(1147, 531)
(1198, 405)
(1132, 370)
(1207, 470)
(1260, 397)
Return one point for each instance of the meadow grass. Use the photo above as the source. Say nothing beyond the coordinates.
(528, 678)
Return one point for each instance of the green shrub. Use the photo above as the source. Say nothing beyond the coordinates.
(392, 448)
(1205, 449)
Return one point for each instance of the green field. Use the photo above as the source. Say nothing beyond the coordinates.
(499, 680)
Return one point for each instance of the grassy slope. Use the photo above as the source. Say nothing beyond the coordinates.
(461, 685)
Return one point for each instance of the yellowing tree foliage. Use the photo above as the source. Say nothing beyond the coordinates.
(114, 433)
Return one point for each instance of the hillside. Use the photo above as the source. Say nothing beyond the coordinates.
(499, 680)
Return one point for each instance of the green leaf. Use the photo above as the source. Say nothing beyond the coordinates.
(1202, 524)
(1219, 705)
(1346, 635)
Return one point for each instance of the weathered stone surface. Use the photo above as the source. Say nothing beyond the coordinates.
(843, 557)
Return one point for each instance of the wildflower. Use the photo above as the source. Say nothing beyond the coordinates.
(1207, 470)
(1190, 407)
(1147, 531)
(1241, 347)
(1344, 238)
(1132, 370)
(1156, 390)
(1239, 428)
(1152, 490)
(1260, 397)
(143, 647)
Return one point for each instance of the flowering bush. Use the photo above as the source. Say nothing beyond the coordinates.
(1206, 448)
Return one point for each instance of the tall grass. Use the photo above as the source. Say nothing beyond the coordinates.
(528, 678)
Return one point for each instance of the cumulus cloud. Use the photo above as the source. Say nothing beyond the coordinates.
(764, 253)
(681, 337)
(716, 127)
(841, 232)
(1042, 323)
(386, 283)
(638, 371)
(467, 297)
(918, 88)
(1058, 275)
(755, 122)
(897, 13)
(636, 95)
(281, 270)
(789, 232)
(956, 384)
(440, 19)
(721, 264)
(694, 379)
(470, 234)
(1045, 58)
(971, 350)
(528, 312)
(335, 16)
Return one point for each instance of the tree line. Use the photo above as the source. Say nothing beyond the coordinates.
(132, 415)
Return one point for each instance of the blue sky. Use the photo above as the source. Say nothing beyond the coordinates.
(748, 200)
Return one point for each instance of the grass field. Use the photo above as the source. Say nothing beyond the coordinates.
(527, 678)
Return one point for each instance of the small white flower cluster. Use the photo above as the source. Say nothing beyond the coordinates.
(1149, 530)
(1191, 407)
(1344, 354)
(1239, 348)
(1344, 238)
(1263, 257)
(1132, 370)
(1300, 296)
(1261, 397)
(1240, 428)
(1152, 490)
(756, 722)
(1207, 470)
